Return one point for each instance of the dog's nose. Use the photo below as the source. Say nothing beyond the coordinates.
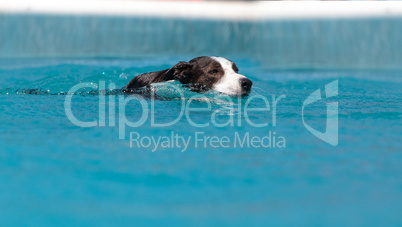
(246, 84)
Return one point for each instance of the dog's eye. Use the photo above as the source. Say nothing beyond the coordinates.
(234, 67)
(213, 71)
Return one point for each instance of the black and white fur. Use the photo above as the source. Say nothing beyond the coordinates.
(216, 73)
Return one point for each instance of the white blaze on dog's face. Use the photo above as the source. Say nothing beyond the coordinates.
(231, 82)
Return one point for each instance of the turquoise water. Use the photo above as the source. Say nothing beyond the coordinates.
(54, 172)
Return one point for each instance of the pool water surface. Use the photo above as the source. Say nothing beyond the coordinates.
(55, 172)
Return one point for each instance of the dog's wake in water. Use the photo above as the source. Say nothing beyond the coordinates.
(164, 91)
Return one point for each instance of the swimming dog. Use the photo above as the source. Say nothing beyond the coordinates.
(201, 73)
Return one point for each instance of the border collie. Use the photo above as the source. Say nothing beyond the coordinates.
(201, 73)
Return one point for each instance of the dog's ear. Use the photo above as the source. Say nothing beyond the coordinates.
(180, 72)
(146, 79)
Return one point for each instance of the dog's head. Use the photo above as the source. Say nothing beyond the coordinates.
(216, 73)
